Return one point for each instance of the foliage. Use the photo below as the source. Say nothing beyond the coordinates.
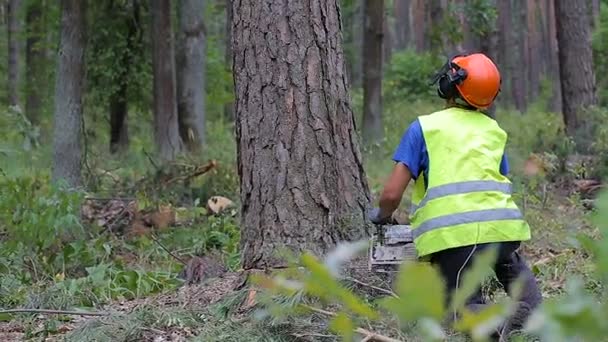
(408, 74)
(481, 16)
(38, 216)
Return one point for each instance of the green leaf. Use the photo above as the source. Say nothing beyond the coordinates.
(471, 280)
(342, 325)
(421, 293)
(431, 330)
(482, 323)
(322, 284)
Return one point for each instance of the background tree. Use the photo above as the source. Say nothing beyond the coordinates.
(373, 40)
(12, 13)
(229, 106)
(302, 183)
(402, 23)
(191, 73)
(35, 51)
(576, 61)
(67, 139)
(166, 130)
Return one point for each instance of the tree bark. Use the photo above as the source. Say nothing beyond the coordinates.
(372, 71)
(402, 23)
(302, 182)
(119, 128)
(67, 139)
(13, 27)
(228, 107)
(166, 130)
(191, 74)
(576, 61)
(35, 53)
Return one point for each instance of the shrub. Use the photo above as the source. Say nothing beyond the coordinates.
(408, 74)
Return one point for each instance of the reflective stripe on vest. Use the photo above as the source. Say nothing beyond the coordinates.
(467, 217)
(462, 188)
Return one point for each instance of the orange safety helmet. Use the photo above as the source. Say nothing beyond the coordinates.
(474, 78)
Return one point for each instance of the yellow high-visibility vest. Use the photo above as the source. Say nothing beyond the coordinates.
(467, 200)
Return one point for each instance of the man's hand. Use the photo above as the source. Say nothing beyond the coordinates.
(376, 218)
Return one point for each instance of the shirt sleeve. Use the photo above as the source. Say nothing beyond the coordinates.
(504, 165)
(410, 149)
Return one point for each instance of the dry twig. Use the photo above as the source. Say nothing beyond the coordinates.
(388, 292)
(54, 312)
(369, 335)
(167, 250)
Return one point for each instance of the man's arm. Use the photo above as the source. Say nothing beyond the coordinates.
(393, 190)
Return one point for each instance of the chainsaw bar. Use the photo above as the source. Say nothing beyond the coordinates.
(391, 246)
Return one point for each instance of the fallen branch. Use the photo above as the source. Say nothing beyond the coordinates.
(197, 172)
(54, 312)
(388, 292)
(167, 250)
(369, 335)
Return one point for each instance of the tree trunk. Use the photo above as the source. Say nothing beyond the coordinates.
(419, 25)
(595, 13)
(119, 129)
(505, 49)
(302, 182)
(387, 38)
(35, 79)
(534, 49)
(519, 71)
(191, 74)
(576, 61)
(402, 23)
(357, 34)
(12, 13)
(372, 71)
(228, 107)
(554, 72)
(67, 144)
(434, 36)
(166, 130)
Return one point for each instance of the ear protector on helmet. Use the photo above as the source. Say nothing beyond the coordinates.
(448, 77)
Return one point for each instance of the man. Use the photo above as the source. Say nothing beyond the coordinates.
(462, 200)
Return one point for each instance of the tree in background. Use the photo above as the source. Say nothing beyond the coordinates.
(166, 132)
(229, 106)
(576, 61)
(302, 182)
(67, 138)
(191, 73)
(373, 130)
(119, 104)
(35, 52)
(402, 23)
(13, 28)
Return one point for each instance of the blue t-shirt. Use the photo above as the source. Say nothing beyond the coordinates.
(412, 153)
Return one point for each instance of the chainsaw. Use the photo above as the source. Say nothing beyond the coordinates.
(390, 246)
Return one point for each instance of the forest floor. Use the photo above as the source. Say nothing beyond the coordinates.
(222, 308)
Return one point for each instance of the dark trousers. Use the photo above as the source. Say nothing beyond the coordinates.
(508, 267)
